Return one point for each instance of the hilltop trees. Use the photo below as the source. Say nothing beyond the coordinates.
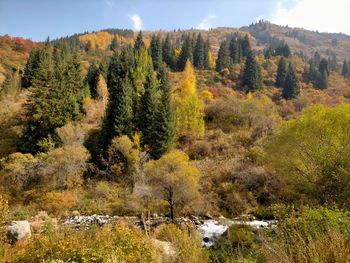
(251, 77)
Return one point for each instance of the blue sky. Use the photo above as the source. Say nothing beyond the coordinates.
(37, 19)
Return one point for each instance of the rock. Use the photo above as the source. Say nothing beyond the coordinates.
(166, 247)
(18, 230)
(208, 216)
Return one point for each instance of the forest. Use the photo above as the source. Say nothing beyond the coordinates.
(164, 132)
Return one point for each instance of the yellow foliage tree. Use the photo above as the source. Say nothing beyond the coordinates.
(173, 179)
(189, 108)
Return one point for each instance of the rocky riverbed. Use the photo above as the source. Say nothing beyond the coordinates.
(208, 227)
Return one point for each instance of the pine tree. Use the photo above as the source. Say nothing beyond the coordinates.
(281, 73)
(30, 68)
(169, 52)
(199, 52)
(234, 51)
(164, 125)
(223, 60)
(119, 114)
(139, 44)
(345, 69)
(186, 53)
(156, 52)
(251, 77)
(245, 45)
(291, 85)
(92, 79)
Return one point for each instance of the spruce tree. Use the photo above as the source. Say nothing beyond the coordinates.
(186, 53)
(234, 51)
(199, 53)
(30, 68)
(114, 44)
(223, 60)
(169, 52)
(208, 56)
(345, 69)
(119, 114)
(245, 45)
(57, 97)
(291, 85)
(164, 125)
(149, 106)
(251, 78)
(92, 79)
(156, 52)
(139, 44)
(281, 73)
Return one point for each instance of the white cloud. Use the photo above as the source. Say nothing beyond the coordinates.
(206, 23)
(322, 15)
(110, 3)
(137, 21)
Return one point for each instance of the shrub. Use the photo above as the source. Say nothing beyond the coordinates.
(113, 244)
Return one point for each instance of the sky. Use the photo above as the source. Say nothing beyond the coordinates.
(39, 19)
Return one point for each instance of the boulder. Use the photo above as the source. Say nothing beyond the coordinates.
(18, 230)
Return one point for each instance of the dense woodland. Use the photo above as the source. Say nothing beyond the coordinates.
(231, 123)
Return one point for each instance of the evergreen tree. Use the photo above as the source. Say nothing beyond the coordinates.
(92, 79)
(245, 46)
(291, 85)
(324, 67)
(209, 62)
(30, 68)
(139, 44)
(345, 69)
(119, 114)
(251, 77)
(57, 98)
(156, 52)
(234, 51)
(164, 125)
(114, 44)
(281, 73)
(199, 52)
(168, 52)
(186, 53)
(149, 106)
(223, 60)
(283, 50)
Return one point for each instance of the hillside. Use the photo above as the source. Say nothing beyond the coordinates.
(190, 146)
